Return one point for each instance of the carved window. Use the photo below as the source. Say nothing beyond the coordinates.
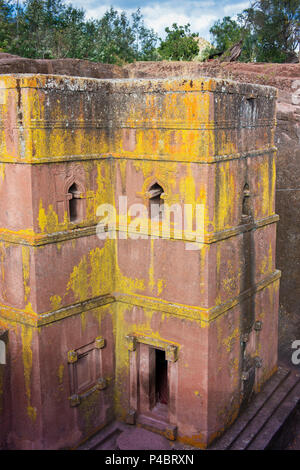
(156, 202)
(250, 103)
(249, 110)
(75, 203)
(246, 205)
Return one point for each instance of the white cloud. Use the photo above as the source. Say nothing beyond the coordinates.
(201, 14)
(91, 8)
(160, 15)
(234, 8)
(97, 12)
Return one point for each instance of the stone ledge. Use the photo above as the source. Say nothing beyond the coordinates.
(41, 239)
(136, 157)
(205, 315)
(181, 85)
(158, 426)
(258, 424)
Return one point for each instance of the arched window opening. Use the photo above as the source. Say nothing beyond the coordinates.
(74, 203)
(246, 207)
(2, 353)
(250, 103)
(249, 110)
(156, 201)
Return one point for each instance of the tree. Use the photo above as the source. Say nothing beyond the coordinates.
(269, 31)
(145, 39)
(276, 26)
(113, 39)
(73, 36)
(180, 43)
(54, 29)
(32, 39)
(120, 39)
(6, 23)
(225, 33)
(228, 32)
(49, 29)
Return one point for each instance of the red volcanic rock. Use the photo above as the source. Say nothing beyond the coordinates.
(73, 67)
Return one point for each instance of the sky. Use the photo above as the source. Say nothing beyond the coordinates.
(201, 14)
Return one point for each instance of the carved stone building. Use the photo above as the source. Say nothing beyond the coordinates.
(102, 325)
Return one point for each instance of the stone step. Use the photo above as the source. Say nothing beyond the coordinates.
(141, 439)
(276, 422)
(255, 427)
(104, 439)
(245, 418)
(109, 444)
(157, 425)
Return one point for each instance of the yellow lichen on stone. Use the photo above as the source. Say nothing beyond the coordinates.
(101, 276)
(231, 339)
(78, 282)
(60, 373)
(27, 336)
(26, 268)
(48, 221)
(226, 190)
(267, 262)
(93, 276)
(2, 171)
(55, 302)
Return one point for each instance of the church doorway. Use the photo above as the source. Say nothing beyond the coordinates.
(161, 377)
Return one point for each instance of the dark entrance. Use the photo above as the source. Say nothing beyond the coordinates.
(161, 377)
(156, 201)
(73, 202)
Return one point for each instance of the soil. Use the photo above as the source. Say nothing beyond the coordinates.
(73, 67)
(279, 75)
